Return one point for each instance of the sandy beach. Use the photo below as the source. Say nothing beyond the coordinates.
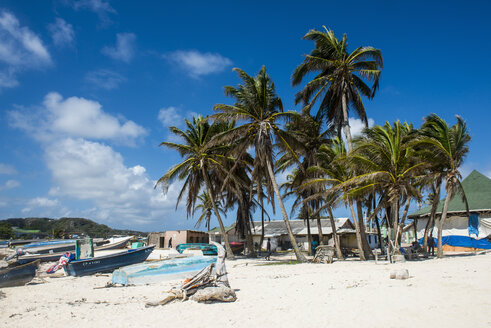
(451, 292)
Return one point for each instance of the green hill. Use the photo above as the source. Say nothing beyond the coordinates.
(65, 227)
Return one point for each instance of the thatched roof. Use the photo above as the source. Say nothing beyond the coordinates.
(477, 188)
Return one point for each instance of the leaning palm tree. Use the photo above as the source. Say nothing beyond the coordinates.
(259, 109)
(201, 160)
(449, 146)
(341, 79)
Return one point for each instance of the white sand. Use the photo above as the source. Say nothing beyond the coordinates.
(452, 292)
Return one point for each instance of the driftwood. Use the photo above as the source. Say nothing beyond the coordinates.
(324, 254)
(210, 284)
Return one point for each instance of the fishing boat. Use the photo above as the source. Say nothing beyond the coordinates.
(107, 263)
(207, 249)
(113, 243)
(18, 275)
(154, 272)
(237, 247)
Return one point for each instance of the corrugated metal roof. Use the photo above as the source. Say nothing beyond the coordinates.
(299, 227)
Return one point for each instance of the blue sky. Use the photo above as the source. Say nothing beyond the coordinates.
(89, 88)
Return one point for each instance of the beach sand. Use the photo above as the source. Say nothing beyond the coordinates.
(451, 292)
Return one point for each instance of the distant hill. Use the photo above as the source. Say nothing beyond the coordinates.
(64, 227)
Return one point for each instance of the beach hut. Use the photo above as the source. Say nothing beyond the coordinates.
(460, 231)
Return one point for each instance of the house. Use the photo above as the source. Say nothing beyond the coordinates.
(460, 231)
(277, 232)
(176, 237)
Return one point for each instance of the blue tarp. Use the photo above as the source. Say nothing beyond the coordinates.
(463, 241)
(474, 224)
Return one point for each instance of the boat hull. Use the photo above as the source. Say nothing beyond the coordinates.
(207, 249)
(55, 256)
(107, 263)
(18, 275)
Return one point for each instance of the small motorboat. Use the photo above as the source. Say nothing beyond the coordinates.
(207, 249)
(155, 272)
(18, 275)
(114, 243)
(107, 263)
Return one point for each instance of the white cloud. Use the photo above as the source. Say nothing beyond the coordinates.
(357, 126)
(43, 202)
(124, 49)
(197, 64)
(75, 117)
(170, 117)
(61, 32)
(20, 49)
(92, 171)
(10, 184)
(7, 169)
(105, 79)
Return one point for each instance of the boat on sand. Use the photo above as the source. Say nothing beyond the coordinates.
(18, 275)
(107, 263)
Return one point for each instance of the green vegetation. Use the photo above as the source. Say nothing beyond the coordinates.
(64, 227)
(234, 154)
(6, 231)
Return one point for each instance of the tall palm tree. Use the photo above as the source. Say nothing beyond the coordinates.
(201, 160)
(449, 145)
(305, 136)
(387, 160)
(334, 172)
(341, 79)
(259, 109)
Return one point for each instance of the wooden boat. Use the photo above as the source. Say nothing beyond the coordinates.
(157, 271)
(107, 263)
(55, 256)
(207, 249)
(18, 275)
(237, 247)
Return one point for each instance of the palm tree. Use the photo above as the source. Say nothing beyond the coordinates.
(449, 146)
(305, 137)
(201, 159)
(334, 172)
(206, 208)
(341, 79)
(387, 160)
(260, 109)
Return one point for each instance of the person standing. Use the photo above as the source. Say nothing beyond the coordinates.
(268, 250)
(170, 242)
(431, 245)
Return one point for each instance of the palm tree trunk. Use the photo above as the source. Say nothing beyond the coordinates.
(442, 221)
(363, 235)
(249, 241)
(298, 254)
(395, 222)
(262, 224)
(404, 215)
(339, 253)
(431, 219)
(230, 254)
(347, 130)
(319, 230)
(357, 228)
(309, 234)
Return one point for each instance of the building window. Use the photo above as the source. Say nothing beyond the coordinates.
(369, 239)
(191, 239)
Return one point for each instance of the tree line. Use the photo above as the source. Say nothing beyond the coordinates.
(230, 158)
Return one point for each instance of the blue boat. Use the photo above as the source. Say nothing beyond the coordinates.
(18, 275)
(207, 249)
(154, 272)
(107, 263)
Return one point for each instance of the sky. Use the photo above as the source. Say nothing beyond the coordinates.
(89, 88)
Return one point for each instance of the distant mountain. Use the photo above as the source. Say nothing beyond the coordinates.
(65, 227)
